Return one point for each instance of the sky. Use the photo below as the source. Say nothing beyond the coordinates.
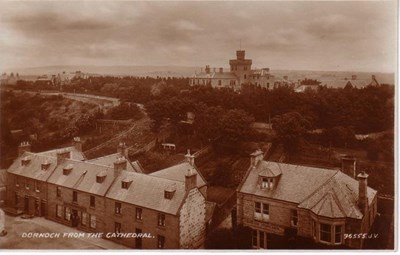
(311, 35)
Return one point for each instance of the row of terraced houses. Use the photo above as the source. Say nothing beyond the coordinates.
(112, 195)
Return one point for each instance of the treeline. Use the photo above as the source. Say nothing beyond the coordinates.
(363, 110)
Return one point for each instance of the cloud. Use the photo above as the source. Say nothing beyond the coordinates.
(278, 34)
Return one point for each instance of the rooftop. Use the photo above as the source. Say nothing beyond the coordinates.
(325, 192)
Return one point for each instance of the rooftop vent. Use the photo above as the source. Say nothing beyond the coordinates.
(126, 182)
(45, 165)
(25, 161)
(67, 170)
(100, 177)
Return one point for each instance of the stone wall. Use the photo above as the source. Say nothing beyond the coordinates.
(192, 224)
(148, 224)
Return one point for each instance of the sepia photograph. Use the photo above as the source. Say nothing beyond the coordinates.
(198, 125)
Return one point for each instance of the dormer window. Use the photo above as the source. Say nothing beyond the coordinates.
(168, 194)
(67, 170)
(267, 183)
(170, 191)
(125, 184)
(100, 177)
(25, 161)
(45, 165)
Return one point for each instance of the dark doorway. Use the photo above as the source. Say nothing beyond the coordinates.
(74, 218)
(43, 211)
(138, 240)
(26, 205)
(37, 207)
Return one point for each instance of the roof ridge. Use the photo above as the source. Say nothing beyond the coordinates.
(318, 188)
(338, 203)
(102, 157)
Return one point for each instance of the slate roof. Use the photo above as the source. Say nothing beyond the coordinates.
(110, 159)
(148, 192)
(343, 83)
(75, 154)
(34, 168)
(88, 181)
(82, 176)
(177, 173)
(337, 198)
(325, 192)
(215, 75)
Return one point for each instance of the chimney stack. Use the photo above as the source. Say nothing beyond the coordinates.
(221, 70)
(190, 180)
(78, 143)
(354, 77)
(62, 156)
(349, 166)
(23, 147)
(123, 150)
(189, 158)
(207, 69)
(119, 165)
(256, 157)
(362, 191)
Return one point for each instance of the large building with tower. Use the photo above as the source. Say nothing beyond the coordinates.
(112, 196)
(281, 202)
(240, 73)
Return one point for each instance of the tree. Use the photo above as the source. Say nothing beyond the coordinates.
(85, 123)
(290, 128)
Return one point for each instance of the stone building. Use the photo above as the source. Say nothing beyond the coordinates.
(280, 200)
(240, 73)
(166, 208)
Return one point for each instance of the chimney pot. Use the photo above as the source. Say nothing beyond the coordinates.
(62, 156)
(78, 143)
(23, 147)
(189, 158)
(349, 164)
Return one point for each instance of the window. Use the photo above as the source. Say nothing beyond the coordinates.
(58, 192)
(74, 196)
(293, 217)
(37, 186)
(58, 211)
(125, 184)
(117, 208)
(67, 213)
(168, 194)
(92, 201)
(338, 234)
(325, 232)
(160, 242)
(84, 219)
(26, 184)
(255, 244)
(139, 213)
(100, 179)
(117, 227)
(264, 183)
(92, 221)
(261, 211)
(271, 183)
(245, 77)
(219, 82)
(16, 181)
(161, 219)
(262, 241)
